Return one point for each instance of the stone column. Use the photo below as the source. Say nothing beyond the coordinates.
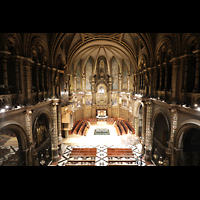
(75, 83)
(175, 78)
(128, 81)
(53, 80)
(144, 125)
(161, 78)
(148, 139)
(37, 65)
(150, 72)
(155, 80)
(93, 98)
(42, 71)
(174, 121)
(16, 60)
(27, 79)
(28, 121)
(120, 82)
(109, 97)
(59, 124)
(166, 75)
(47, 81)
(54, 134)
(83, 83)
(136, 125)
(197, 72)
(59, 129)
(4, 58)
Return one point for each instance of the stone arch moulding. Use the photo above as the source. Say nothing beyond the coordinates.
(186, 125)
(155, 114)
(164, 46)
(39, 46)
(18, 130)
(101, 81)
(48, 115)
(138, 108)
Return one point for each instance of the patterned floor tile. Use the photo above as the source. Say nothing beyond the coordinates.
(101, 158)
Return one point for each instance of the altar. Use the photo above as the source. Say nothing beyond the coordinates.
(101, 131)
(101, 115)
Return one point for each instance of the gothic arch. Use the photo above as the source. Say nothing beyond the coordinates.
(60, 62)
(19, 131)
(14, 44)
(48, 116)
(142, 63)
(101, 81)
(164, 50)
(155, 114)
(180, 131)
(39, 51)
(85, 63)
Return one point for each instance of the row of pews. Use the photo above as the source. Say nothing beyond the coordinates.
(116, 157)
(80, 127)
(123, 127)
(121, 156)
(82, 157)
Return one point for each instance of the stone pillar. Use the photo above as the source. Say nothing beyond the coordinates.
(27, 79)
(37, 65)
(93, 98)
(136, 125)
(4, 58)
(75, 83)
(155, 80)
(144, 125)
(166, 75)
(197, 72)
(28, 121)
(161, 77)
(16, 60)
(128, 81)
(174, 121)
(109, 97)
(42, 71)
(53, 80)
(148, 139)
(185, 78)
(175, 78)
(150, 72)
(47, 81)
(54, 134)
(120, 82)
(83, 83)
(59, 129)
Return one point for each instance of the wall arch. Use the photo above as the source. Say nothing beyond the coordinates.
(155, 114)
(185, 126)
(16, 127)
(22, 139)
(48, 115)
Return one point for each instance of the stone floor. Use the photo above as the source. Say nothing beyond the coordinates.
(101, 158)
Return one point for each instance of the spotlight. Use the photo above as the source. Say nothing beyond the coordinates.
(3, 110)
(198, 108)
(195, 105)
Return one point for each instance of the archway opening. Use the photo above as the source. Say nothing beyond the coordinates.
(191, 147)
(10, 148)
(42, 139)
(161, 136)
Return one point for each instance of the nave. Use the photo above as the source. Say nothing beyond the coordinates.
(101, 147)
